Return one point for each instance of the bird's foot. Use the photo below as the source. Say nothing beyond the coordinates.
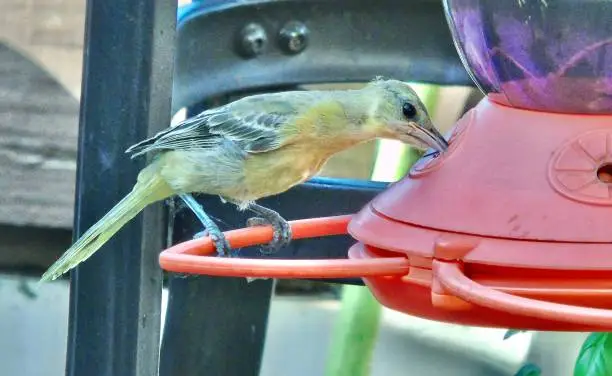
(210, 228)
(282, 232)
(201, 234)
(220, 241)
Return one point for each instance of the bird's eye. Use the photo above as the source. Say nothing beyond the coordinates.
(409, 110)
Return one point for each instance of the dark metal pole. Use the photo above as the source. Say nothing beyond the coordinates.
(126, 93)
(215, 326)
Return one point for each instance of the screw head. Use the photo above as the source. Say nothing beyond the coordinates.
(253, 40)
(294, 37)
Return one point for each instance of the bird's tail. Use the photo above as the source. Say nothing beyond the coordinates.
(149, 188)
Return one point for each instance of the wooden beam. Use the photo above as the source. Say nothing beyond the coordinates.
(38, 138)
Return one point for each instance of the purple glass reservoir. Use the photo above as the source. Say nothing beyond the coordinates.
(546, 55)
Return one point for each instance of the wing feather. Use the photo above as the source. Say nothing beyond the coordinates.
(252, 123)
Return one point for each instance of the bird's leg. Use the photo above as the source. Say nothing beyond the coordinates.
(210, 228)
(282, 229)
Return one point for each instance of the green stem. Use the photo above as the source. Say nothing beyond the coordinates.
(355, 333)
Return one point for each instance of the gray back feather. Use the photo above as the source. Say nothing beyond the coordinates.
(254, 123)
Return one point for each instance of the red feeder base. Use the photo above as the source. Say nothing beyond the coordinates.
(514, 218)
(509, 228)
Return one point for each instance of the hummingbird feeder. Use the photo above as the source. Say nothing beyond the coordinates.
(512, 226)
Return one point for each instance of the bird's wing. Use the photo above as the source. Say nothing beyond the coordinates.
(254, 123)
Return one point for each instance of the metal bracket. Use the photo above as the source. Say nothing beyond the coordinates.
(347, 41)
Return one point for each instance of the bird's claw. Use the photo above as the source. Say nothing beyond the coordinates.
(200, 234)
(256, 221)
(220, 241)
(282, 233)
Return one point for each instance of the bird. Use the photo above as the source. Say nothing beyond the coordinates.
(259, 146)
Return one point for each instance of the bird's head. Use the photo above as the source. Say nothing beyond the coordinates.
(401, 115)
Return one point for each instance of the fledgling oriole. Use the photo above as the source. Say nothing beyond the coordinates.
(259, 146)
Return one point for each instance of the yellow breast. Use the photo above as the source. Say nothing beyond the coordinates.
(274, 172)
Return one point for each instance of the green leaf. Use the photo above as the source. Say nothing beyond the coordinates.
(512, 332)
(595, 357)
(529, 369)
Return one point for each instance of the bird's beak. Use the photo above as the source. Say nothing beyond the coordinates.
(429, 136)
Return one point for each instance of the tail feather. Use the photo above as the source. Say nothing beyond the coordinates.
(141, 147)
(149, 189)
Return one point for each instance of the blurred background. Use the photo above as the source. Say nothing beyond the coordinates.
(41, 46)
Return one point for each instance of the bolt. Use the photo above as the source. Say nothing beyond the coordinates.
(253, 40)
(294, 37)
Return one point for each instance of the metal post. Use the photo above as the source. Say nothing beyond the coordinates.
(127, 80)
(215, 326)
